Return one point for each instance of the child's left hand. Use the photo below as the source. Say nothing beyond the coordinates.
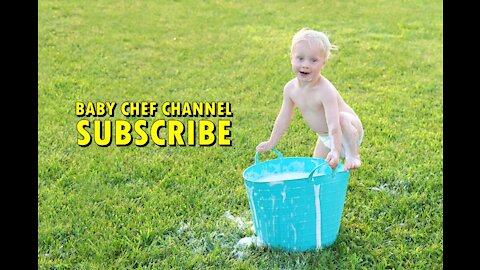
(333, 158)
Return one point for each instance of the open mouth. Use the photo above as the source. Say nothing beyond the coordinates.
(304, 73)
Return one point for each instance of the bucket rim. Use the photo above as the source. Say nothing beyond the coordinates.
(286, 158)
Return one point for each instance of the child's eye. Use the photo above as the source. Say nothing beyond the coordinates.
(300, 58)
(314, 60)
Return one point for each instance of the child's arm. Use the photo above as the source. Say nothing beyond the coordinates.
(330, 105)
(281, 123)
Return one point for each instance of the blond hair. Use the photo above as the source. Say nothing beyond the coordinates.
(318, 37)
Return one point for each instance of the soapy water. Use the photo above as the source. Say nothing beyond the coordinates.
(246, 242)
(283, 177)
(240, 249)
(240, 224)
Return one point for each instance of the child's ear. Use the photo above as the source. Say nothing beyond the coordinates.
(323, 64)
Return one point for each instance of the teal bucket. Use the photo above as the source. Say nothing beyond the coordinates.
(296, 202)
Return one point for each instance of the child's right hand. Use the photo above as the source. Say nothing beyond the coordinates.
(264, 147)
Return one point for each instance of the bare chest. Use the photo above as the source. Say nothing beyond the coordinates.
(313, 112)
(307, 103)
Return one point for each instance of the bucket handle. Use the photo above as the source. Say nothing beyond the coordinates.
(316, 168)
(274, 150)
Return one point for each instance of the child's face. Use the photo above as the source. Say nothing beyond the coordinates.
(307, 60)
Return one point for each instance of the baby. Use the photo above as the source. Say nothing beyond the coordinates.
(338, 127)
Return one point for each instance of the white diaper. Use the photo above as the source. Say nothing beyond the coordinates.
(326, 141)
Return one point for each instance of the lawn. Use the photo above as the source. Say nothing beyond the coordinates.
(154, 207)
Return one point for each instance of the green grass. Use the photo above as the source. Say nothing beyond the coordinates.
(123, 207)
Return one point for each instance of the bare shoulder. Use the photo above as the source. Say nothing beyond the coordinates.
(289, 87)
(326, 89)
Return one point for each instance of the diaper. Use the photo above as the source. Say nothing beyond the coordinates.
(326, 141)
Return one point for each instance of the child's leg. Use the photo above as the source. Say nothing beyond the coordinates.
(351, 131)
(320, 151)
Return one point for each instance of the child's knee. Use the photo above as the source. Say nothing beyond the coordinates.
(348, 123)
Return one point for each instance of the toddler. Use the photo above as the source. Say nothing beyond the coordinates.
(338, 127)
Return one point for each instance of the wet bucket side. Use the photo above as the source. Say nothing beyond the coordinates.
(301, 214)
(331, 197)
